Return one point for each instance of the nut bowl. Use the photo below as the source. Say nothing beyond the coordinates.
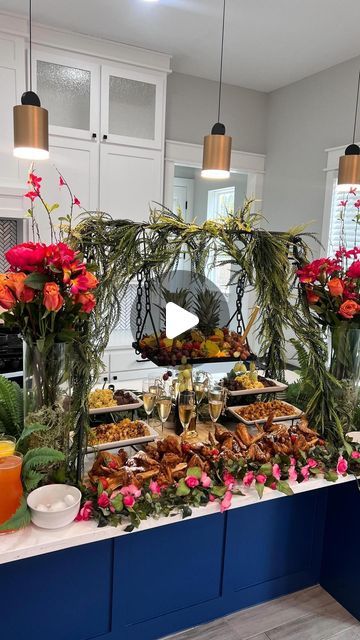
(54, 505)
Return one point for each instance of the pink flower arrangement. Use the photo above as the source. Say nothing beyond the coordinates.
(205, 480)
(305, 472)
(85, 512)
(192, 482)
(228, 479)
(292, 474)
(261, 478)
(155, 487)
(342, 466)
(248, 479)
(276, 471)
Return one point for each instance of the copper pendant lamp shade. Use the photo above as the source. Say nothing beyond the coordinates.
(31, 127)
(349, 164)
(217, 146)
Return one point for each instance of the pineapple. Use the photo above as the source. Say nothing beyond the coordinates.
(179, 297)
(207, 309)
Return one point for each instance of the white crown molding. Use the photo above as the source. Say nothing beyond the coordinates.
(87, 45)
(189, 154)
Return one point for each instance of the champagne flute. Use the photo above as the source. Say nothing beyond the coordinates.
(163, 408)
(157, 388)
(148, 399)
(216, 402)
(186, 405)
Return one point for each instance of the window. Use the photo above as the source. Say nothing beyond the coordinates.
(220, 202)
(344, 219)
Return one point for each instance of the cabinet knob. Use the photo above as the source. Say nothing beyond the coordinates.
(114, 377)
(104, 136)
(94, 136)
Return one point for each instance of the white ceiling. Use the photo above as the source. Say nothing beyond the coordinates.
(268, 43)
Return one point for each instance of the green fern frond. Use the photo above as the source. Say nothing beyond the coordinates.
(10, 407)
(32, 479)
(41, 457)
(31, 428)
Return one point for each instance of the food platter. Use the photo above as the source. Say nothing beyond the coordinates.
(152, 435)
(296, 413)
(274, 387)
(119, 407)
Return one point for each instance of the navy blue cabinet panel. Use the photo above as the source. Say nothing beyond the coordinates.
(64, 595)
(168, 569)
(272, 541)
(340, 572)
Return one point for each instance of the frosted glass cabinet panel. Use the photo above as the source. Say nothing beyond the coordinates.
(132, 106)
(69, 90)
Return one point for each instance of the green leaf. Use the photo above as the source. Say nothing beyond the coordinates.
(36, 280)
(117, 503)
(32, 428)
(194, 471)
(218, 490)
(32, 479)
(53, 207)
(266, 469)
(331, 476)
(284, 487)
(41, 457)
(182, 488)
(259, 488)
(19, 520)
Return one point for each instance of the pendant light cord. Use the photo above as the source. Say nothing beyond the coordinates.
(356, 108)
(30, 44)
(221, 58)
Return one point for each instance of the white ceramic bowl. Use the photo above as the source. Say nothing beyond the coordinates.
(50, 494)
(355, 435)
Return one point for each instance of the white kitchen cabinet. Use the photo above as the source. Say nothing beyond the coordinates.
(130, 180)
(132, 106)
(12, 82)
(69, 88)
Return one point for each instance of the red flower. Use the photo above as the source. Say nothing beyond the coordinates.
(312, 271)
(192, 482)
(34, 180)
(352, 191)
(349, 309)
(87, 301)
(357, 204)
(336, 287)
(103, 500)
(28, 256)
(53, 300)
(32, 195)
(312, 297)
(17, 285)
(7, 300)
(354, 270)
(343, 203)
(77, 201)
(61, 181)
(83, 283)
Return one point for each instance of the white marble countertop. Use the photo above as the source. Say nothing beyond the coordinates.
(33, 541)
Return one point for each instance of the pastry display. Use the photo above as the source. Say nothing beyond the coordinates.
(106, 398)
(124, 430)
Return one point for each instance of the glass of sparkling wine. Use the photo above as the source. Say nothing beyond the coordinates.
(163, 408)
(216, 402)
(186, 404)
(149, 398)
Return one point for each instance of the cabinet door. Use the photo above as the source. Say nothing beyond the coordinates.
(69, 89)
(130, 180)
(12, 82)
(132, 106)
(78, 162)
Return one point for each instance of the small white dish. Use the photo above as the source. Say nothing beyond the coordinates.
(53, 494)
(354, 435)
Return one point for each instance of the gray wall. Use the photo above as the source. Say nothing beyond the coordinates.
(304, 119)
(192, 110)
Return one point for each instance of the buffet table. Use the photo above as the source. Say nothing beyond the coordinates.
(83, 582)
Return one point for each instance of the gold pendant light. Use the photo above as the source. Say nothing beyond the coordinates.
(217, 145)
(349, 164)
(31, 128)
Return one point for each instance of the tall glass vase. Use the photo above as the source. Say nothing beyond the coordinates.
(47, 393)
(345, 367)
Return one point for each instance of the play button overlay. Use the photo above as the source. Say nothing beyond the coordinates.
(178, 320)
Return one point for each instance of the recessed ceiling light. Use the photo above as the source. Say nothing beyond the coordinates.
(151, 0)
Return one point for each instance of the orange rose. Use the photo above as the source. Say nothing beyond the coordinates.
(87, 301)
(7, 300)
(312, 297)
(349, 309)
(17, 285)
(336, 287)
(83, 283)
(53, 300)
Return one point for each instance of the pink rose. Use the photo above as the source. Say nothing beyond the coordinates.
(103, 500)
(205, 480)
(85, 511)
(292, 473)
(192, 482)
(226, 501)
(131, 490)
(155, 487)
(305, 472)
(355, 455)
(276, 471)
(311, 463)
(212, 498)
(229, 479)
(342, 466)
(129, 501)
(292, 461)
(248, 478)
(273, 486)
(261, 479)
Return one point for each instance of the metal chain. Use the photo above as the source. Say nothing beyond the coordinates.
(240, 290)
(147, 278)
(139, 292)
